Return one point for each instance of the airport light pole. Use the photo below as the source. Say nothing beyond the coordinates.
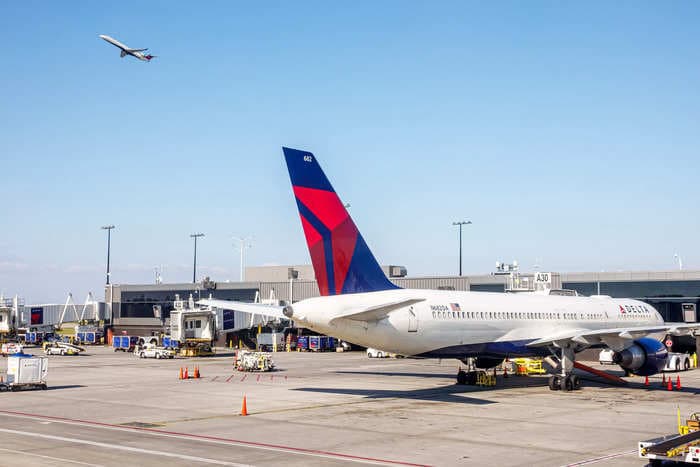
(243, 243)
(108, 228)
(680, 261)
(460, 224)
(194, 268)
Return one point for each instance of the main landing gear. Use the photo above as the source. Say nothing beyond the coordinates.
(566, 381)
(467, 377)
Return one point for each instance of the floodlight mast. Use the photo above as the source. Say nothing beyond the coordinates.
(194, 268)
(108, 228)
(460, 224)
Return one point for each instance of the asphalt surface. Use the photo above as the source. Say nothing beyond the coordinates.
(109, 409)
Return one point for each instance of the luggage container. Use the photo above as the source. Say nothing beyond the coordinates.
(314, 343)
(270, 341)
(26, 372)
(303, 343)
(124, 343)
(170, 343)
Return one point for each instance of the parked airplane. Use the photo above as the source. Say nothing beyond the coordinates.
(360, 305)
(138, 53)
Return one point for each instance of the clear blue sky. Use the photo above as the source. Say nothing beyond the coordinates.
(569, 133)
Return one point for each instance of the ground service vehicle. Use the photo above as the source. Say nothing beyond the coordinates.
(61, 348)
(375, 353)
(677, 362)
(153, 351)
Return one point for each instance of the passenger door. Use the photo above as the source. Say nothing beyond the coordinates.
(412, 320)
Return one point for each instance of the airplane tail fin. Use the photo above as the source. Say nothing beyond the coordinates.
(342, 261)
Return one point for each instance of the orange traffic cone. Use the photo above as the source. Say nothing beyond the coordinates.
(646, 381)
(186, 376)
(663, 381)
(670, 384)
(678, 382)
(196, 372)
(244, 407)
(181, 374)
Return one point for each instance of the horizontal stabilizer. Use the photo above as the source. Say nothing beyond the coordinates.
(252, 308)
(375, 313)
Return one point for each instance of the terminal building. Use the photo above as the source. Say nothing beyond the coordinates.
(132, 306)
(143, 309)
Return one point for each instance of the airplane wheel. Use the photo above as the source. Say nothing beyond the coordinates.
(554, 383)
(461, 377)
(576, 382)
(568, 383)
(686, 365)
(471, 378)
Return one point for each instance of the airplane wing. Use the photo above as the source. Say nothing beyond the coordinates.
(252, 308)
(375, 313)
(615, 338)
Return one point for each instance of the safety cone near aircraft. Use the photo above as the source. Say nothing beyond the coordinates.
(678, 382)
(244, 407)
(646, 381)
(669, 385)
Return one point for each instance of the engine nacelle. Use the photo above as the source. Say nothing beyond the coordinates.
(488, 362)
(645, 357)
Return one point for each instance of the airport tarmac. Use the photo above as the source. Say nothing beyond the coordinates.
(110, 409)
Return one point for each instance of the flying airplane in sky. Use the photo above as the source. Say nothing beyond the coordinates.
(360, 305)
(138, 53)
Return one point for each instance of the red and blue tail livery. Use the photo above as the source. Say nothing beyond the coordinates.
(342, 261)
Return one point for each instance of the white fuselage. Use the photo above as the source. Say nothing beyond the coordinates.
(460, 324)
(125, 49)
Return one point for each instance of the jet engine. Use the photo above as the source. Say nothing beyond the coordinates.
(488, 362)
(645, 357)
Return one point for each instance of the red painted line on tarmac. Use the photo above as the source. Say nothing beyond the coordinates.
(244, 377)
(258, 378)
(221, 439)
(229, 378)
(214, 378)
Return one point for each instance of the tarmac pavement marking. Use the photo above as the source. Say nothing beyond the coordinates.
(602, 458)
(122, 448)
(213, 439)
(61, 459)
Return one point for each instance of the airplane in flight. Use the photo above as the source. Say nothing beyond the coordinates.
(138, 53)
(360, 305)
